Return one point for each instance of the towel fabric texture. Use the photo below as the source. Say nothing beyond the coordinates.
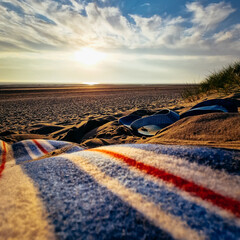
(57, 190)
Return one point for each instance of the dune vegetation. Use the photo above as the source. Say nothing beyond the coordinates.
(225, 81)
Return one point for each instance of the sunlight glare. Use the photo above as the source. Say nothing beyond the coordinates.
(89, 56)
(90, 83)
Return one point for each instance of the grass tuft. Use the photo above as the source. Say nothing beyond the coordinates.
(224, 81)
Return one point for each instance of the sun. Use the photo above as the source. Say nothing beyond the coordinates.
(89, 56)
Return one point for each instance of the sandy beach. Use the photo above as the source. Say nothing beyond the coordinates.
(88, 116)
(120, 120)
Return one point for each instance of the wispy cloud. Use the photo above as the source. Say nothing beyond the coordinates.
(146, 5)
(210, 16)
(39, 25)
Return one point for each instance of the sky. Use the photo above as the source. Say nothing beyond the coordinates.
(116, 41)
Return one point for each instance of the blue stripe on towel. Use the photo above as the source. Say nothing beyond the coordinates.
(34, 148)
(59, 144)
(80, 208)
(20, 153)
(196, 216)
(219, 159)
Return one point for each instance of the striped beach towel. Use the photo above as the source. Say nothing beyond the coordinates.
(57, 190)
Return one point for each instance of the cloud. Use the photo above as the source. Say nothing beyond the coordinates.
(146, 5)
(231, 34)
(211, 15)
(34, 25)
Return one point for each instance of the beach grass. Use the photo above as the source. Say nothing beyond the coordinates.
(225, 81)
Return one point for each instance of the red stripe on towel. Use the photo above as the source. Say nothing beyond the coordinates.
(4, 154)
(40, 146)
(219, 200)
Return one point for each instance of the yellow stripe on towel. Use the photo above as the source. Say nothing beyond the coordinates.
(165, 221)
(21, 211)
